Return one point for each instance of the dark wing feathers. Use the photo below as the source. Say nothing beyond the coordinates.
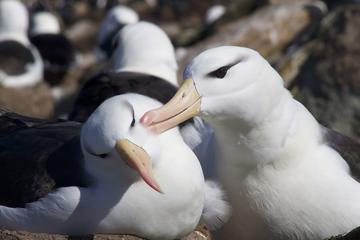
(108, 84)
(346, 147)
(57, 53)
(37, 156)
(55, 48)
(14, 57)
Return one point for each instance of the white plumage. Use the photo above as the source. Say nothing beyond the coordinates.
(45, 23)
(145, 48)
(216, 210)
(117, 200)
(283, 180)
(115, 19)
(214, 13)
(14, 24)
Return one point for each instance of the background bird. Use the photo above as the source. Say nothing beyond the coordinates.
(21, 66)
(116, 18)
(55, 48)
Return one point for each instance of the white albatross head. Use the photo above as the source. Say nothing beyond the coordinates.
(224, 82)
(114, 142)
(115, 19)
(14, 17)
(145, 48)
(214, 13)
(45, 23)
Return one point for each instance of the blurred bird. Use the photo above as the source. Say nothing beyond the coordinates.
(287, 176)
(20, 62)
(124, 180)
(56, 50)
(144, 63)
(115, 19)
(21, 66)
(214, 13)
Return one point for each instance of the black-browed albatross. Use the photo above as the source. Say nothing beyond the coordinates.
(116, 18)
(117, 178)
(287, 176)
(144, 63)
(21, 66)
(20, 62)
(55, 48)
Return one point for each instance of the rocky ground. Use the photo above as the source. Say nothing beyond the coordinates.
(201, 233)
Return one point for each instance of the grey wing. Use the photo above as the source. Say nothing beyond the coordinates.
(348, 148)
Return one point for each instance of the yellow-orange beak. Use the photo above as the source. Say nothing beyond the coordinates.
(184, 105)
(139, 160)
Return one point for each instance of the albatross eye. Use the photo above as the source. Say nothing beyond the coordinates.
(220, 72)
(103, 155)
(132, 124)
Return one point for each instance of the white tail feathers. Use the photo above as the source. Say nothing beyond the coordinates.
(216, 210)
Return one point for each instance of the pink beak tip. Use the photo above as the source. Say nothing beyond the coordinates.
(145, 120)
(156, 187)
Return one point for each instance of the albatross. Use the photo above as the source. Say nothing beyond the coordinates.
(21, 66)
(116, 18)
(124, 180)
(20, 62)
(55, 48)
(143, 62)
(287, 176)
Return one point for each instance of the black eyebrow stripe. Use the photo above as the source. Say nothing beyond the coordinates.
(216, 71)
(227, 66)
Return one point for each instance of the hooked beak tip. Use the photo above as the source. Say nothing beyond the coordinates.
(152, 182)
(145, 119)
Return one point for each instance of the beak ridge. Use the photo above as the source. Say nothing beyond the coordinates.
(184, 105)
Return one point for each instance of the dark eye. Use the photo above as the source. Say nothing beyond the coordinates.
(220, 72)
(132, 123)
(103, 155)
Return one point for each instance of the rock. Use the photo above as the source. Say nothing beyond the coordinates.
(288, 1)
(200, 233)
(269, 30)
(35, 101)
(352, 235)
(328, 81)
(83, 34)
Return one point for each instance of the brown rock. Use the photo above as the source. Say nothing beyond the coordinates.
(289, 1)
(268, 30)
(34, 101)
(83, 34)
(328, 82)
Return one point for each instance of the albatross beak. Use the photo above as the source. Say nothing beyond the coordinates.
(139, 160)
(184, 105)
